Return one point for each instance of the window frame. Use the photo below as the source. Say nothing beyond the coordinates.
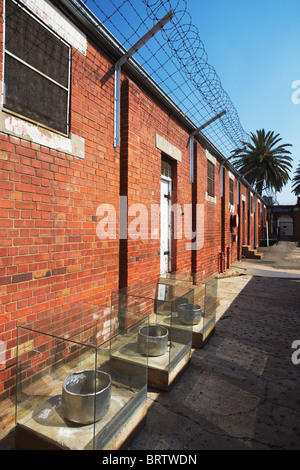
(231, 191)
(259, 208)
(251, 203)
(13, 56)
(166, 165)
(210, 180)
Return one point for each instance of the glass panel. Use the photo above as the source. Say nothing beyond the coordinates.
(176, 276)
(166, 341)
(128, 371)
(31, 95)
(78, 387)
(166, 168)
(203, 310)
(210, 304)
(231, 191)
(210, 179)
(29, 40)
(50, 350)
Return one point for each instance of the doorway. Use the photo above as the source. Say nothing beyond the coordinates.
(285, 227)
(165, 218)
(243, 223)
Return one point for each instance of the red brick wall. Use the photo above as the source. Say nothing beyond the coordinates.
(296, 217)
(250, 219)
(243, 217)
(297, 225)
(51, 256)
(230, 246)
(141, 120)
(261, 218)
(206, 261)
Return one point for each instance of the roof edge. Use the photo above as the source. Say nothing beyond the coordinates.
(86, 20)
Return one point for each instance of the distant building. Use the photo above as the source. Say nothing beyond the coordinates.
(286, 221)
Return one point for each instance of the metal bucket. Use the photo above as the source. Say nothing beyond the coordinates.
(86, 397)
(153, 340)
(189, 314)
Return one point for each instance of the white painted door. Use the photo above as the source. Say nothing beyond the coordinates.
(165, 232)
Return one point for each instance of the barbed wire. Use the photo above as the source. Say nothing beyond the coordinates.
(177, 60)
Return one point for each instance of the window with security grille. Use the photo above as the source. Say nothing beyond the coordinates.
(166, 169)
(36, 70)
(231, 196)
(210, 179)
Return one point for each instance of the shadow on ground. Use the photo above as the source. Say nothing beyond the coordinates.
(242, 390)
(8, 442)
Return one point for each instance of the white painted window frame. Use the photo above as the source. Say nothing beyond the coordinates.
(213, 160)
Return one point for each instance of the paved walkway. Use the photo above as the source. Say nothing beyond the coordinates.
(280, 260)
(242, 390)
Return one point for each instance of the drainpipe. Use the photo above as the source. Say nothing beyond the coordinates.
(255, 221)
(191, 141)
(238, 202)
(120, 62)
(223, 243)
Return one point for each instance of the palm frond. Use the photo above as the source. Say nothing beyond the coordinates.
(296, 182)
(264, 160)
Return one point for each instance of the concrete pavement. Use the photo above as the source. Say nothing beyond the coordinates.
(242, 390)
(279, 260)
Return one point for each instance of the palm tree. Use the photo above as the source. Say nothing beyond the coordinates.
(263, 162)
(296, 182)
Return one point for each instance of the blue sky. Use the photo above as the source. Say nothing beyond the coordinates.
(255, 48)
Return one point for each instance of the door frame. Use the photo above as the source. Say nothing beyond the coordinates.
(169, 181)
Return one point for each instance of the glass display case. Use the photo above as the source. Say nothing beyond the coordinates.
(168, 347)
(202, 313)
(75, 391)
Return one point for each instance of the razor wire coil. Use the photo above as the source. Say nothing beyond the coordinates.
(176, 60)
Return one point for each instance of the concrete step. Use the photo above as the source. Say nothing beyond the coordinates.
(251, 253)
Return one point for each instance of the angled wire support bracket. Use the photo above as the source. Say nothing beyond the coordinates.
(191, 140)
(157, 27)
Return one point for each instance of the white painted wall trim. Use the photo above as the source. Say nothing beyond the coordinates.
(13, 125)
(210, 157)
(210, 198)
(168, 148)
(58, 22)
(231, 208)
(73, 145)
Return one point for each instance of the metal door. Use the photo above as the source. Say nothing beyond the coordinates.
(165, 226)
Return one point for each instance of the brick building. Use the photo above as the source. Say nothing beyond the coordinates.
(60, 171)
(286, 221)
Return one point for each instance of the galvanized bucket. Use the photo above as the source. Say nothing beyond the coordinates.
(189, 314)
(86, 396)
(153, 340)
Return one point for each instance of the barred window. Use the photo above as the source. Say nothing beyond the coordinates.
(231, 196)
(36, 70)
(210, 179)
(166, 169)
